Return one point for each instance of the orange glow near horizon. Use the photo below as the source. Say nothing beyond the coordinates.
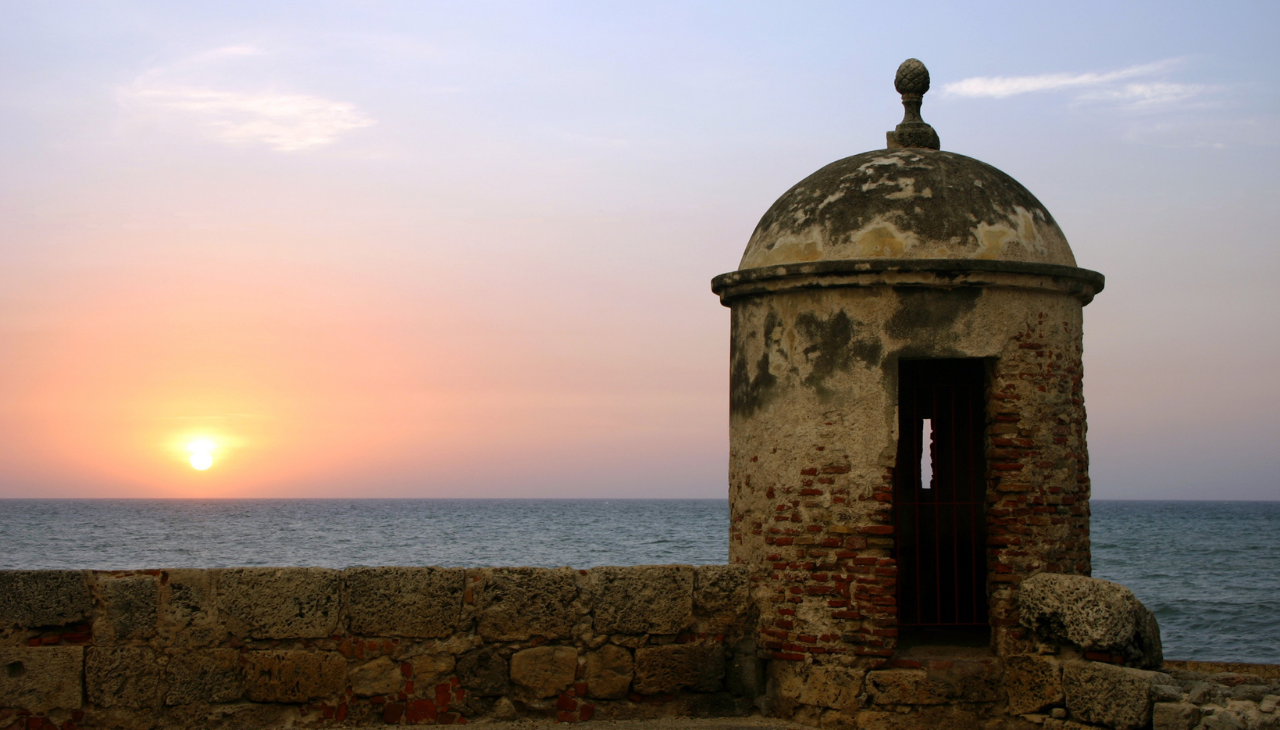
(331, 385)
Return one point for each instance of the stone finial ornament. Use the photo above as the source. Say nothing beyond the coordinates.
(912, 81)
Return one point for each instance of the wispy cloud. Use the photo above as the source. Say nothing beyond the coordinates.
(284, 122)
(1113, 86)
(1146, 95)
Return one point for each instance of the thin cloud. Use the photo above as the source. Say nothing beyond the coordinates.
(1146, 95)
(1093, 87)
(283, 122)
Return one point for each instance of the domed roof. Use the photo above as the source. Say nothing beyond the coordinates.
(907, 203)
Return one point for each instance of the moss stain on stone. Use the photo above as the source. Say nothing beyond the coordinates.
(834, 348)
(930, 314)
(747, 394)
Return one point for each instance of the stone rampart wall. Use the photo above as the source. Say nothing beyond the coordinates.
(258, 647)
(1268, 671)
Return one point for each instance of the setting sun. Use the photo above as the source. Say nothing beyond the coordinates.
(201, 454)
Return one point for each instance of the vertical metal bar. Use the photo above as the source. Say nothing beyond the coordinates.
(919, 502)
(894, 507)
(955, 507)
(977, 500)
(937, 524)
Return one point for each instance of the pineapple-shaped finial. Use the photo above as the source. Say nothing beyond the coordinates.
(912, 81)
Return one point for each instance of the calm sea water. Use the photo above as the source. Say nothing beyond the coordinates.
(1209, 570)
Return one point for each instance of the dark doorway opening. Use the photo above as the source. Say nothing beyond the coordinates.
(939, 502)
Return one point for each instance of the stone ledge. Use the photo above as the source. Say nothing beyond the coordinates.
(752, 722)
(1264, 671)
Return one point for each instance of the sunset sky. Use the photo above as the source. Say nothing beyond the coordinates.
(390, 249)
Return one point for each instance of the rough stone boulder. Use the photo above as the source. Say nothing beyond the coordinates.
(1095, 615)
(1114, 697)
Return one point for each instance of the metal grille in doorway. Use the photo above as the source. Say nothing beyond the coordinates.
(940, 494)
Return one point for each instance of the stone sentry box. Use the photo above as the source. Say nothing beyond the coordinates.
(885, 288)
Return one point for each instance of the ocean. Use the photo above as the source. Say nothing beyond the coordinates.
(1209, 570)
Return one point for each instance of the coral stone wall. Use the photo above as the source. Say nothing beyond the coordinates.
(258, 647)
(814, 444)
(1038, 466)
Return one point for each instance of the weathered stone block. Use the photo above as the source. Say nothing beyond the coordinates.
(31, 598)
(906, 687)
(518, 603)
(975, 681)
(1251, 714)
(1201, 692)
(647, 599)
(294, 676)
(1217, 718)
(124, 676)
(834, 687)
(279, 603)
(131, 606)
(1093, 614)
(1033, 683)
(431, 668)
(608, 672)
(744, 675)
(483, 672)
(421, 602)
(1174, 716)
(41, 679)
(379, 677)
(962, 682)
(1103, 694)
(545, 670)
(1250, 692)
(188, 615)
(673, 667)
(721, 599)
(204, 676)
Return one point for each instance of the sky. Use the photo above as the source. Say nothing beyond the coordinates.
(415, 249)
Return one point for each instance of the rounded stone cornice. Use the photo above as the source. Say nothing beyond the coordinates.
(919, 273)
